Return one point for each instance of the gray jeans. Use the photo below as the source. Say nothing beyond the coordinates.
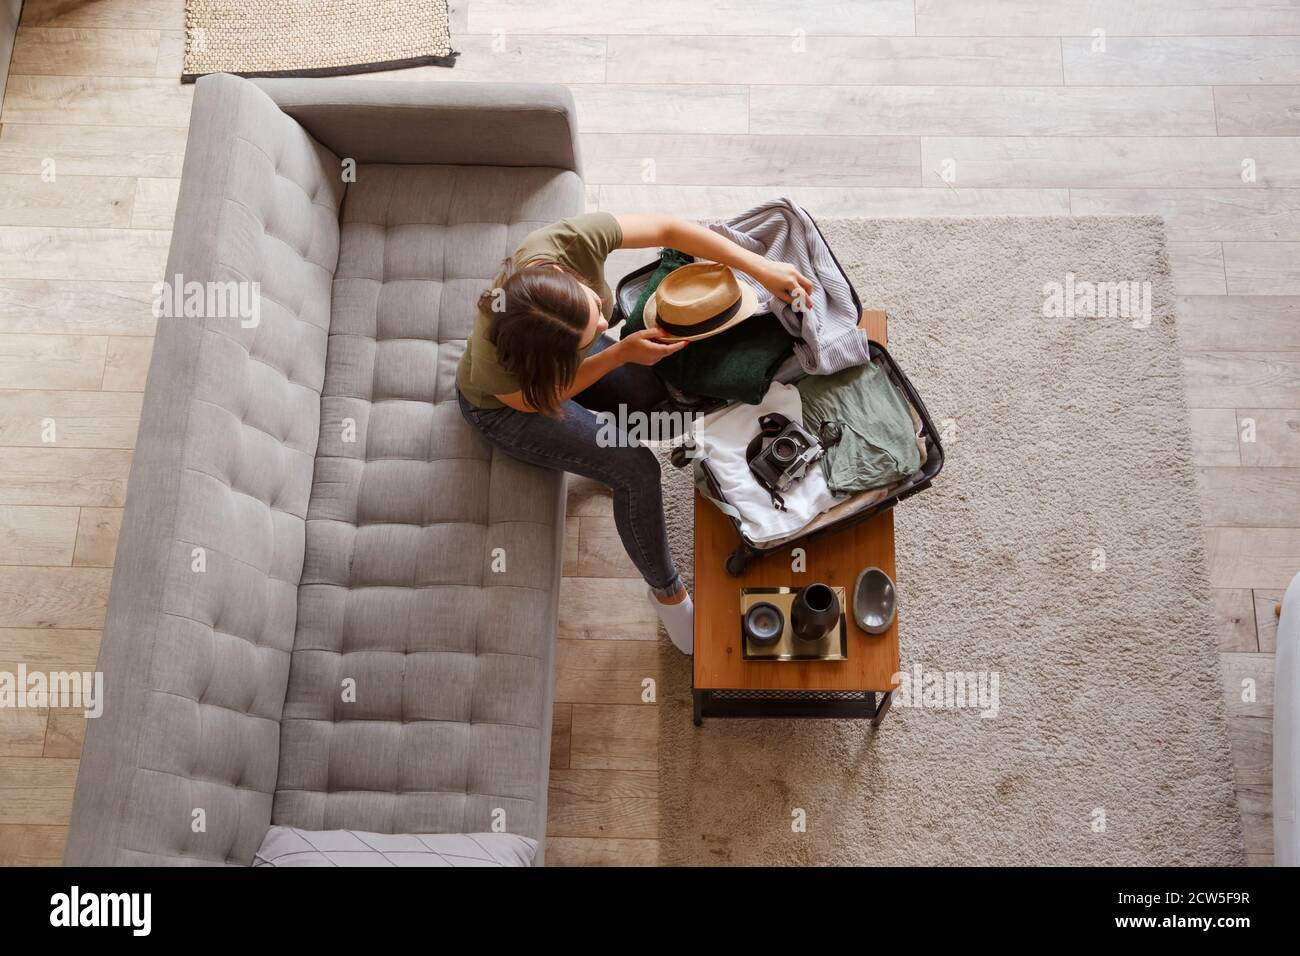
(568, 443)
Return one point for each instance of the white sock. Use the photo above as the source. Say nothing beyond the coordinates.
(678, 620)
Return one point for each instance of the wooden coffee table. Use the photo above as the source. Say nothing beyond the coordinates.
(727, 685)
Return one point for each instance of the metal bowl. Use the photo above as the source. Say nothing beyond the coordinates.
(874, 601)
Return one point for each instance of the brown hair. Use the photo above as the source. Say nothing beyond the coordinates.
(537, 320)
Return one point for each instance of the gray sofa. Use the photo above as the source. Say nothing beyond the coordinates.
(311, 655)
(10, 13)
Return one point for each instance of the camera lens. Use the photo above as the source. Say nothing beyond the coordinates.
(784, 449)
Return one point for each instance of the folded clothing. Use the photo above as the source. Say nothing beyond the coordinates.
(723, 438)
(877, 444)
(850, 505)
(735, 366)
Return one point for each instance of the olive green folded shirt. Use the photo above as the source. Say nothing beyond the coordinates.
(582, 243)
(877, 446)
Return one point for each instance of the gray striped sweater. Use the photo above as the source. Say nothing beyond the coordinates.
(830, 339)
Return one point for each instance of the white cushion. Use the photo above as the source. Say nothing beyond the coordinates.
(290, 846)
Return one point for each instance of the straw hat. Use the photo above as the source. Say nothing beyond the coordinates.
(699, 300)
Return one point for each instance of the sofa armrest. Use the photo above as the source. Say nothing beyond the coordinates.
(474, 124)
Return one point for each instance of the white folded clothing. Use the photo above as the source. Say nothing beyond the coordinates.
(723, 438)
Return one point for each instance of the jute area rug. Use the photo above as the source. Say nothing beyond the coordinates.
(314, 37)
(1060, 549)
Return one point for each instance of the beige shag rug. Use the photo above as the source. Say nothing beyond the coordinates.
(1061, 547)
(314, 37)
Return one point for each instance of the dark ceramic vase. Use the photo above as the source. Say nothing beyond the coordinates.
(815, 610)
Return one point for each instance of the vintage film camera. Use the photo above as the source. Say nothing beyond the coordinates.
(780, 454)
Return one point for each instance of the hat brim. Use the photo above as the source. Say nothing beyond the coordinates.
(748, 306)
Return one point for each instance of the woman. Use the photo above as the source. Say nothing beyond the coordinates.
(536, 368)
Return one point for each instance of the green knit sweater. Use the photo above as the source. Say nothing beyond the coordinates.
(734, 366)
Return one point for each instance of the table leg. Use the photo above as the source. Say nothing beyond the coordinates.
(882, 708)
(698, 701)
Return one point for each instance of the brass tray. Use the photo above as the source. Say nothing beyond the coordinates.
(833, 647)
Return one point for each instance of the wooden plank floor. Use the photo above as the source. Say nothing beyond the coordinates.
(854, 109)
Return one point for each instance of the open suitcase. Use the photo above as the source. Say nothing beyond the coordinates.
(854, 509)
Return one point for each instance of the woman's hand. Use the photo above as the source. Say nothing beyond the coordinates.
(781, 279)
(644, 347)
(646, 230)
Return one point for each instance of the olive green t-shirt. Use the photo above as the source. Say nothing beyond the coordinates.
(581, 243)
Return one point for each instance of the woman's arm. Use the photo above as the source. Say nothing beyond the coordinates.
(640, 348)
(643, 230)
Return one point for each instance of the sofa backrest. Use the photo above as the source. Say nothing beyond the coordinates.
(182, 765)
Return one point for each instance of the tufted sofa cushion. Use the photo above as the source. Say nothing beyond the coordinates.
(204, 600)
(420, 687)
(289, 846)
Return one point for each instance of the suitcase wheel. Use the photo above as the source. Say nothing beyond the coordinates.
(678, 456)
(737, 561)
